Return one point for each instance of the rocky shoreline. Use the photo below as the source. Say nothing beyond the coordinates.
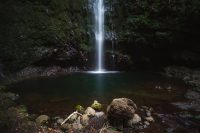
(122, 116)
(192, 78)
(37, 72)
(187, 119)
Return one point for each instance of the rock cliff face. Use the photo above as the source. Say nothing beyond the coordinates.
(155, 32)
(43, 33)
(51, 32)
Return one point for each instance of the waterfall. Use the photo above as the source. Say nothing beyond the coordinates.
(98, 8)
(98, 11)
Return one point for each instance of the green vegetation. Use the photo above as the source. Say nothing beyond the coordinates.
(80, 109)
(154, 22)
(146, 27)
(32, 31)
(96, 105)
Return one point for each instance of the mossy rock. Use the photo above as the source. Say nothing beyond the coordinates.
(80, 109)
(96, 105)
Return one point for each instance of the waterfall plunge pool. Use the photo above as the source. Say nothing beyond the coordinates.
(60, 95)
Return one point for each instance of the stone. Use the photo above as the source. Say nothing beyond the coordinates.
(12, 96)
(121, 109)
(146, 123)
(185, 114)
(145, 108)
(77, 126)
(56, 118)
(78, 120)
(99, 114)
(59, 121)
(73, 118)
(149, 119)
(194, 105)
(65, 126)
(136, 119)
(80, 109)
(193, 95)
(90, 111)
(145, 126)
(42, 119)
(85, 119)
(148, 113)
(96, 105)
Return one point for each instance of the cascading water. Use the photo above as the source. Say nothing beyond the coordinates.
(98, 8)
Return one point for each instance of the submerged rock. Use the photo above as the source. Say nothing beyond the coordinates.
(194, 105)
(42, 119)
(193, 95)
(177, 124)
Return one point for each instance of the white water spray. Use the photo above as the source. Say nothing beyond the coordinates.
(98, 8)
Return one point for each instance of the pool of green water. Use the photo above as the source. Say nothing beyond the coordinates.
(60, 95)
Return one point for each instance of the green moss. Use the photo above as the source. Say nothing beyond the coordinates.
(80, 109)
(33, 25)
(96, 105)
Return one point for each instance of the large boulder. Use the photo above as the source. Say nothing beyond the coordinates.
(120, 111)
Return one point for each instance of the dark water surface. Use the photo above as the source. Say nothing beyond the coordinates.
(59, 95)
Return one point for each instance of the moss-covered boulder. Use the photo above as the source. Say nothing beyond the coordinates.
(80, 109)
(96, 105)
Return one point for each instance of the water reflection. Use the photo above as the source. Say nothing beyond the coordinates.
(62, 94)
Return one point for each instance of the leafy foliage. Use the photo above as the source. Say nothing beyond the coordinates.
(31, 29)
(27, 26)
(147, 24)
